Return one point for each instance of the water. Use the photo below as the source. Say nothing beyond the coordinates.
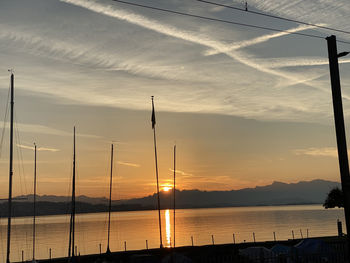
(136, 227)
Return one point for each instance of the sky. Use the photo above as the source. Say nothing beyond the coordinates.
(244, 106)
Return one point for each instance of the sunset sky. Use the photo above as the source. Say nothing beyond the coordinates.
(244, 106)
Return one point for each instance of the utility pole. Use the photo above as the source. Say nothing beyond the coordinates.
(339, 126)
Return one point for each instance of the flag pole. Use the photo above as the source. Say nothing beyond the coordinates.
(153, 119)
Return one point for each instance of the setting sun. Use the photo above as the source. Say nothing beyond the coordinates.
(166, 188)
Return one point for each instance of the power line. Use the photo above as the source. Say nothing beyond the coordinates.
(273, 16)
(223, 21)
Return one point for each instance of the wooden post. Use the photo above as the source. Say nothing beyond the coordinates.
(212, 239)
(192, 240)
(339, 127)
(254, 236)
(274, 236)
(234, 239)
(293, 234)
(146, 244)
(125, 245)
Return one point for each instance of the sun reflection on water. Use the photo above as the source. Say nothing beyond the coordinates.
(167, 228)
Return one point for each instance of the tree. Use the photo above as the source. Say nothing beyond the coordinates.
(334, 198)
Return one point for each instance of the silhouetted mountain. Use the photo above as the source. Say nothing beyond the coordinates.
(278, 193)
(63, 199)
(58, 208)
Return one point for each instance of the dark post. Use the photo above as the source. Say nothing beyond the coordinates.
(340, 228)
(110, 202)
(153, 119)
(212, 239)
(274, 236)
(174, 188)
(234, 239)
(72, 217)
(192, 240)
(34, 202)
(339, 126)
(10, 174)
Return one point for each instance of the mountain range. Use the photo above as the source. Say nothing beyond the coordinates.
(278, 193)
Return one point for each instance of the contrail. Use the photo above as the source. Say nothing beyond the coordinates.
(258, 40)
(172, 31)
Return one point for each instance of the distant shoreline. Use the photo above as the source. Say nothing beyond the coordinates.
(24, 209)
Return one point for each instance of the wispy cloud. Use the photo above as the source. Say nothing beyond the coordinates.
(257, 40)
(172, 31)
(297, 61)
(41, 129)
(336, 13)
(180, 172)
(38, 148)
(322, 152)
(83, 54)
(128, 164)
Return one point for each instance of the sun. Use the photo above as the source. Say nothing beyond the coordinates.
(166, 188)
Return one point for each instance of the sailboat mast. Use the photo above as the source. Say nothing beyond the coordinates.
(153, 119)
(72, 216)
(110, 201)
(174, 187)
(34, 202)
(10, 173)
(73, 198)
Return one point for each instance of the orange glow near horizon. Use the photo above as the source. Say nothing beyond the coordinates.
(167, 188)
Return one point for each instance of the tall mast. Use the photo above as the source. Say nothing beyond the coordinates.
(72, 217)
(10, 173)
(174, 187)
(110, 201)
(34, 202)
(153, 119)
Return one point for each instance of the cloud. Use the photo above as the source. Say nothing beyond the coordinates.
(336, 13)
(321, 152)
(41, 129)
(128, 164)
(258, 40)
(38, 148)
(181, 172)
(217, 84)
(189, 36)
(79, 54)
(297, 62)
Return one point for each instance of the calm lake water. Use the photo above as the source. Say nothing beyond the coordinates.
(136, 227)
